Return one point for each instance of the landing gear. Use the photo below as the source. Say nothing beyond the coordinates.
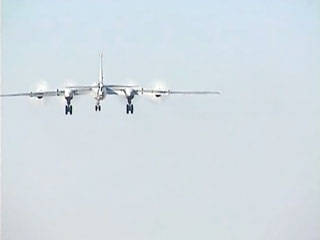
(98, 107)
(130, 105)
(68, 109)
(129, 108)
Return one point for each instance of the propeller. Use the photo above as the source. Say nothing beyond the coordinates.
(159, 85)
(40, 86)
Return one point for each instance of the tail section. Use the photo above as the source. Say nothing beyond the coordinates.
(101, 70)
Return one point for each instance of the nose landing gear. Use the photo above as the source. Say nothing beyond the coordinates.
(98, 107)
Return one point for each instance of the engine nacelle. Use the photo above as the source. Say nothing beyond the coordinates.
(68, 93)
(161, 93)
(129, 92)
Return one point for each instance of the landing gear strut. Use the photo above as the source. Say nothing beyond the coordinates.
(68, 106)
(129, 105)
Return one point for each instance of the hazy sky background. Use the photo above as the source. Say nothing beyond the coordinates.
(243, 165)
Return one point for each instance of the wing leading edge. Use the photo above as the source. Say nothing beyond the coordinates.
(168, 92)
(54, 93)
(38, 94)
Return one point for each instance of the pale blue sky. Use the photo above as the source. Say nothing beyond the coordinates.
(243, 165)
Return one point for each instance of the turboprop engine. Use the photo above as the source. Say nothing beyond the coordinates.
(129, 92)
(68, 93)
(160, 90)
(161, 93)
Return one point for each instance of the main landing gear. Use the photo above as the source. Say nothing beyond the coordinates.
(129, 108)
(130, 105)
(68, 108)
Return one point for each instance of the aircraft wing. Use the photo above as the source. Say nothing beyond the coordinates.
(120, 89)
(83, 87)
(53, 93)
(128, 90)
(38, 94)
(158, 92)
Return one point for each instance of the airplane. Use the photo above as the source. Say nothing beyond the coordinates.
(100, 90)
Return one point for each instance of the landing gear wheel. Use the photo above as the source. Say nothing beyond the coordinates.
(99, 107)
(68, 109)
(96, 107)
(129, 108)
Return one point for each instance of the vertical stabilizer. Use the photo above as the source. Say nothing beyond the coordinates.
(101, 70)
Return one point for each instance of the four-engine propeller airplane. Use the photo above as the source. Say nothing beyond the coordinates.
(100, 91)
